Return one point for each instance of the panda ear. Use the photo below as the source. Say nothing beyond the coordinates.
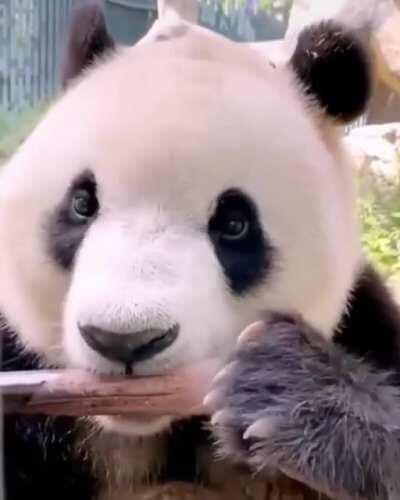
(334, 69)
(88, 39)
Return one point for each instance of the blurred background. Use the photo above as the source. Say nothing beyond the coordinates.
(32, 34)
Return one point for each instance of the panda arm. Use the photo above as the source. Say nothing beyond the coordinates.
(291, 401)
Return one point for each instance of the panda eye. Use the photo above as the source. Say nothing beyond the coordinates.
(239, 242)
(231, 221)
(84, 204)
(233, 225)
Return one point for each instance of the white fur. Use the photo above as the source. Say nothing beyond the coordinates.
(134, 426)
(166, 127)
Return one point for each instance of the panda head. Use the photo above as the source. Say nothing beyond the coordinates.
(175, 192)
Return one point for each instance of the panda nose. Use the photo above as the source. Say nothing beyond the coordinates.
(128, 348)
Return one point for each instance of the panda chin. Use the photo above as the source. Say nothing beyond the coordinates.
(134, 426)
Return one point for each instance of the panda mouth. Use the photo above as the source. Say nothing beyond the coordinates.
(136, 425)
(152, 348)
(129, 349)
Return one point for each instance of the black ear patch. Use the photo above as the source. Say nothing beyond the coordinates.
(88, 39)
(334, 68)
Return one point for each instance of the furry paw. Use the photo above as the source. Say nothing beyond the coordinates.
(268, 380)
(291, 401)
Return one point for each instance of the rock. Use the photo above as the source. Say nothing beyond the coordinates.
(376, 152)
(184, 9)
(385, 42)
(353, 13)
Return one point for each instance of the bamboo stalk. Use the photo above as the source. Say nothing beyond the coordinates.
(76, 393)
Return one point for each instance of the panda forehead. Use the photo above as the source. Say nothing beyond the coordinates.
(193, 115)
(170, 113)
(193, 150)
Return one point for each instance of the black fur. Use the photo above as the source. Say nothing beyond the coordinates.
(40, 459)
(334, 420)
(333, 66)
(88, 39)
(371, 328)
(65, 234)
(245, 262)
(182, 451)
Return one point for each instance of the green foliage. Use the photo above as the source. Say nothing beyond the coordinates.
(270, 4)
(266, 4)
(14, 129)
(380, 218)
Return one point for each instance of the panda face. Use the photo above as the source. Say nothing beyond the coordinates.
(172, 196)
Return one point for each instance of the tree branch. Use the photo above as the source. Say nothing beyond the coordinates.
(76, 393)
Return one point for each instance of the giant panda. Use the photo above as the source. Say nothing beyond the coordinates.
(178, 191)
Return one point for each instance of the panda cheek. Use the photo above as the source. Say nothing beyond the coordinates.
(64, 242)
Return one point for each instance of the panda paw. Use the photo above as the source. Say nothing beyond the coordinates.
(292, 402)
(259, 399)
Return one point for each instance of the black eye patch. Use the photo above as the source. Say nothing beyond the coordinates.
(239, 242)
(72, 218)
